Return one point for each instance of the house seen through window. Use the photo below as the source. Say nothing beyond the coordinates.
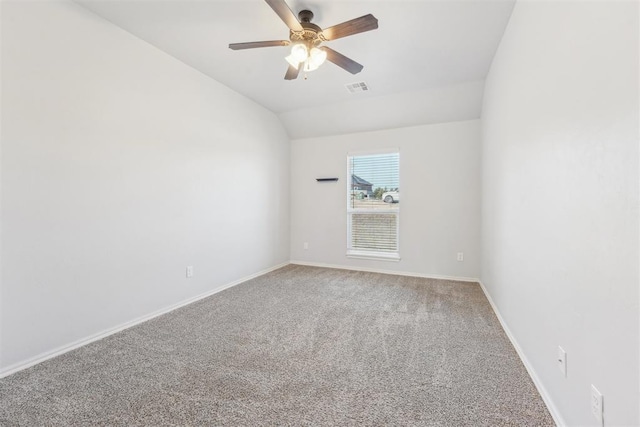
(373, 205)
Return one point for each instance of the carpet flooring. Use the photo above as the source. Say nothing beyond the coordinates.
(298, 346)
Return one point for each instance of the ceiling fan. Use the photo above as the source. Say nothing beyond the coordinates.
(305, 39)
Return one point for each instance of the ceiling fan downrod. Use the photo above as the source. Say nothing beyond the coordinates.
(305, 16)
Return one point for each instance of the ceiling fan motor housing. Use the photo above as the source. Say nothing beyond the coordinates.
(311, 34)
(305, 16)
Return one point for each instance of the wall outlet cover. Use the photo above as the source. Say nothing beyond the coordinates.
(562, 361)
(596, 405)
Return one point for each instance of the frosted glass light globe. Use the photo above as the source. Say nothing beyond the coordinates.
(299, 52)
(316, 59)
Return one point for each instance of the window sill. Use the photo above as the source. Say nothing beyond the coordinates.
(380, 256)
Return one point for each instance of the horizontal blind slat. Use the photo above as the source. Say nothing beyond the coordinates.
(374, 232)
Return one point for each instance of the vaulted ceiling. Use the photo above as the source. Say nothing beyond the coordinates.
(426, 63)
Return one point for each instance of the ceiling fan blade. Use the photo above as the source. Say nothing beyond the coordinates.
(342, 61)
(355, 26)
(283, 11)
(252, 45)
(293, 72)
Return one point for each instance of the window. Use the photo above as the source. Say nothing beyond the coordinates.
(373, 205)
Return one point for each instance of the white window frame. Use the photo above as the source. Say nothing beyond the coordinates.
(365, 254)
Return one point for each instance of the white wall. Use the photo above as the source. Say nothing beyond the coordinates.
(560, 199)
(1, 103)
(439, 211)
(120, 167)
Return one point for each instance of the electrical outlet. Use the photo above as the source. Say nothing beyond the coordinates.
(562, 361)
(460, 256)
(189, 271)
(306, 245)
(596, 405)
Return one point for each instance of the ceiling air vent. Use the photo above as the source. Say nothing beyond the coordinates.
(357, 87)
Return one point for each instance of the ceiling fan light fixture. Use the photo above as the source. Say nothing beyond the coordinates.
(299, 52)
(309, 66)
(317, 56)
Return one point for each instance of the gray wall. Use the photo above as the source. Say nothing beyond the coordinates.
(439, 211)
(120, 167)
(560, 200)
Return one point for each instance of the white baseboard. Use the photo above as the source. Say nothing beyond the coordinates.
(553, 410)
(375, 270)
(12, 369)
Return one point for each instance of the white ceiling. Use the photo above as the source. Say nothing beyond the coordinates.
(424, 64)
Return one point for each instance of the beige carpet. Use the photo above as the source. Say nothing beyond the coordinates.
(298, 346)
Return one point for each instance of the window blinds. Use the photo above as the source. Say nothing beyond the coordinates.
(373, 222)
